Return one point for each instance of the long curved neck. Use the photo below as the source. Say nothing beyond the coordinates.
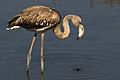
(66, 32)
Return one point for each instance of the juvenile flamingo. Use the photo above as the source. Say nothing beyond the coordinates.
(39, 19)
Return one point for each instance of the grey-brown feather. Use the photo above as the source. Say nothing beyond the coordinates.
(36, 17)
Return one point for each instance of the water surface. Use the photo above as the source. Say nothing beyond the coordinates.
(95, 57)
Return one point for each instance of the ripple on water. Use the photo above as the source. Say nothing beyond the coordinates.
(82, 67)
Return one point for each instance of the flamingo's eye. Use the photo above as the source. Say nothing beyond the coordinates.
(80, 22)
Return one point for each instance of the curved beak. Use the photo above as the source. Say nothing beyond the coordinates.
(80, 31)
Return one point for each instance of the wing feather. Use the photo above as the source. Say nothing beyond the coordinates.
(36, 17)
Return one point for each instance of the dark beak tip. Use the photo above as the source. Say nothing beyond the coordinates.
(77, 38)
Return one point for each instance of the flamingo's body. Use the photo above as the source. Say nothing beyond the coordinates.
(41, 19)
(36, 18)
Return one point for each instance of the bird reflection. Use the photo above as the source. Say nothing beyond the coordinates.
(28, 75)
(42, 75)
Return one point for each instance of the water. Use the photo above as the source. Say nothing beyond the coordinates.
(95, 57)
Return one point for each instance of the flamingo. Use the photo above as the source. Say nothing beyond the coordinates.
(39, 19)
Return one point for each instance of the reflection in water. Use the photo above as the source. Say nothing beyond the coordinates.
(42, 75)
(110, 2)
(28, 75)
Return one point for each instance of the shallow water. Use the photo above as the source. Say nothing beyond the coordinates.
(95, 57)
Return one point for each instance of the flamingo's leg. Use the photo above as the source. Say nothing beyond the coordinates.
(42, 52)
(30, 52)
